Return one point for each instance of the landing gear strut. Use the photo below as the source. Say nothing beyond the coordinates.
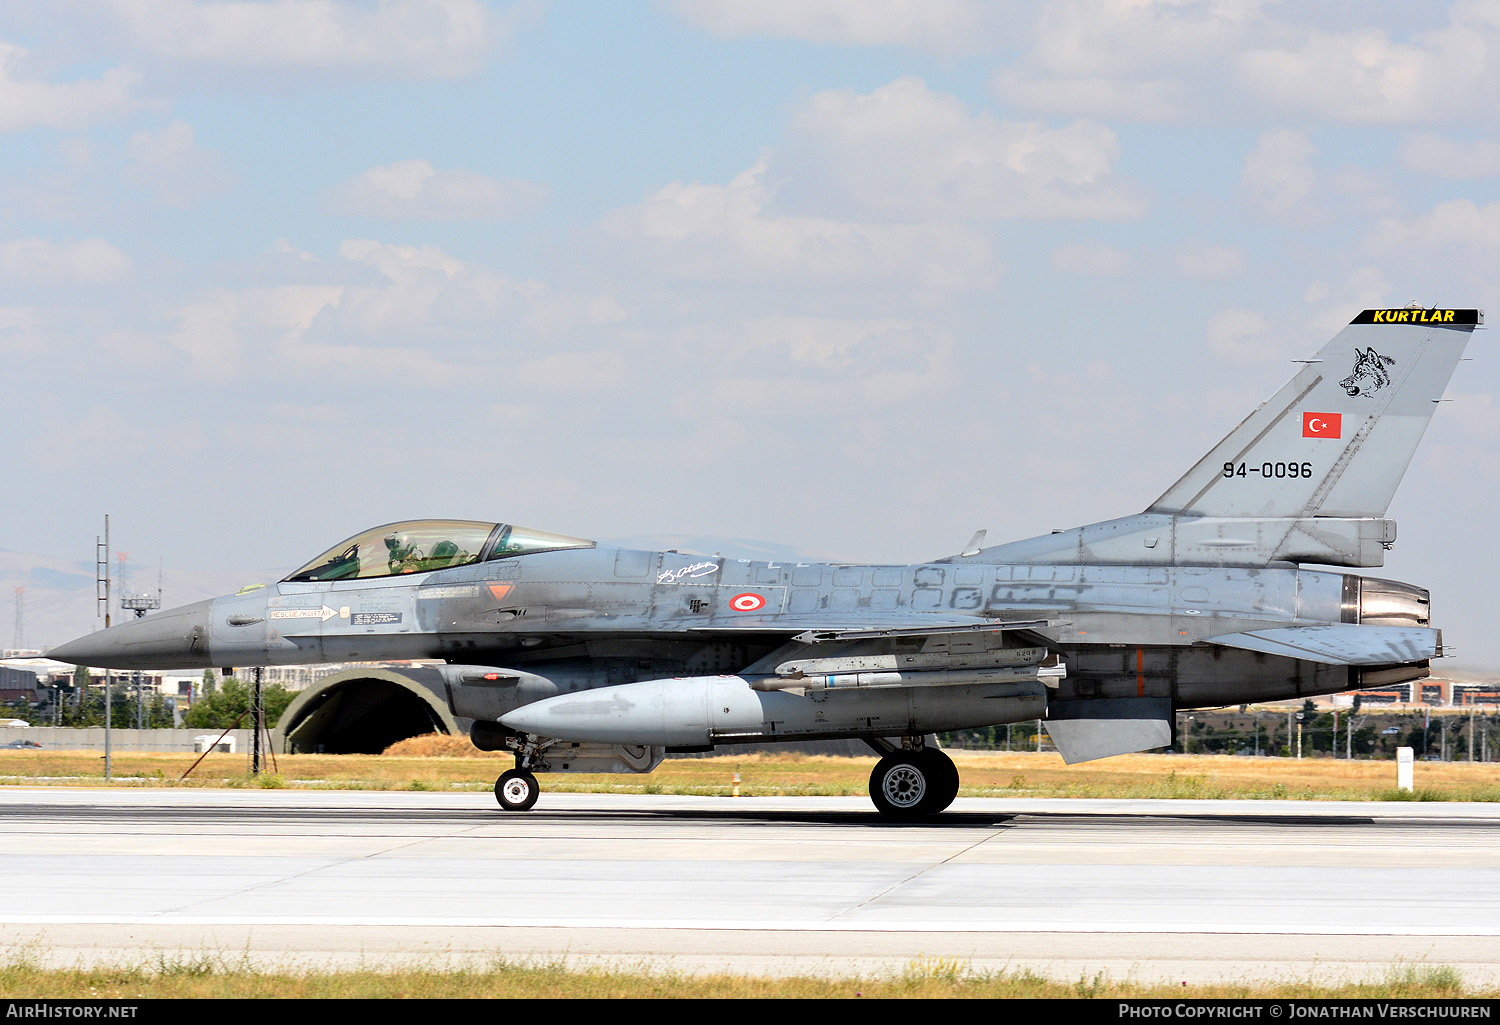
(911, 784)
(517, 790)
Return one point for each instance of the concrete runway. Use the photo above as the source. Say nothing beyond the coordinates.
(1193, 891)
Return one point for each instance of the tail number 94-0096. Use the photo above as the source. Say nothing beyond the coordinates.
(1279, 471)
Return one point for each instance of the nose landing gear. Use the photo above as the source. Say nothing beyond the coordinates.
(517, 790)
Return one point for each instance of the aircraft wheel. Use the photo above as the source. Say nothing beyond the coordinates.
(903, 785)
(517, 790)
(945, 781)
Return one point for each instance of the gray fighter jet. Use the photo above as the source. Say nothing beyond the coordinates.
(584, 658)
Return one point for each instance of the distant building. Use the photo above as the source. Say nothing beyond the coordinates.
(19, 684)
(297, 677)
(1436, 691)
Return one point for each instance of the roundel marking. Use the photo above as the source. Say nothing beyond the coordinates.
(747, 602)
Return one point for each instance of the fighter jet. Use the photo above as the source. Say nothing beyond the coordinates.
(580, 657)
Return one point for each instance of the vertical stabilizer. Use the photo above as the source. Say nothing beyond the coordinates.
(1336, 440)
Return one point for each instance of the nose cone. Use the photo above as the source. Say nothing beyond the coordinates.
(176, 639)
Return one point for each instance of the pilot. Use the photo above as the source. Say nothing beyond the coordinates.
(403, 556)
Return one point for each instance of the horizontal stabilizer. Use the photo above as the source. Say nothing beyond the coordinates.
(1102, 727)
(1342, 644)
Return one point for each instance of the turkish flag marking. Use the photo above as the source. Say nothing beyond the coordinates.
(1322, 425)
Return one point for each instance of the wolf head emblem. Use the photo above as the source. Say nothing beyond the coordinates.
(1369, 375)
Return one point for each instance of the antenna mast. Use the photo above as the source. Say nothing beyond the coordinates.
(101, 573)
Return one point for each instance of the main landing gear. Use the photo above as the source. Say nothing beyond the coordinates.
(913, 783)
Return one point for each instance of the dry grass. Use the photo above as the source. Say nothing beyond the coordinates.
(924, 979)
(451, 763)
(441, 745)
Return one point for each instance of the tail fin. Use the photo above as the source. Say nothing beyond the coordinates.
(1336, 440)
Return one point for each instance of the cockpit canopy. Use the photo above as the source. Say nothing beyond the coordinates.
(417, 546)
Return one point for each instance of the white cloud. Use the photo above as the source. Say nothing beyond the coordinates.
(281, 247)
(36, 261)
(1365, 288)
(170, 164)
(1091, 258)
(1446, 255)
(1361, 192)
(20, 330)
(402, 264)
(427, 291)
(841, 345)
(1138, 60)
(394, 313)
(908, 150)
(726, 233)
(219, 330)
(29, 103)
(1277, 175)
(1357, 76)
(1156, 100)
(1238, 336)
(71, 439)
(1201, 260)
(573, 373)
(1458, 222)
(944, 26)
(400, 38)
(1333, 305)
(1451, 158)
(1112, 37)
(415, 190)
(1363, 75)
(1478, 414)
(1243, 60)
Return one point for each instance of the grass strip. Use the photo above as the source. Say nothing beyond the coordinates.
(439, 763)
(199, 977)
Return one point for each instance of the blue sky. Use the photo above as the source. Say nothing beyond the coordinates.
(853, 276)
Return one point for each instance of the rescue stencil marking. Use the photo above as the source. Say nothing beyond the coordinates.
(374, 618)
(747, 602)
(324, 614)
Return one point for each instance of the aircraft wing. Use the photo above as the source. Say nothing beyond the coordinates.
(1346, 644)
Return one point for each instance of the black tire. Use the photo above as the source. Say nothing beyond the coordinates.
(902, 785)
(517, 790)
(945, 780)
